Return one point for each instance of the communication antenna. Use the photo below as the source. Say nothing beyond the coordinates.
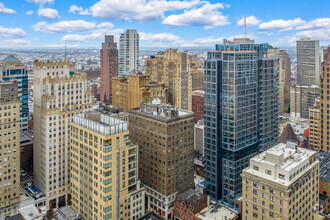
(245, 33)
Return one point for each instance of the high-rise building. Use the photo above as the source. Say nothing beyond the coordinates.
(128, 52)
(301, 99)
(281, 183)
(109, 68)
(197, 79)
(308, 62)
(11, 69)
(104, 169)
(173, 69)
(315, 126)
(165, 136)
(9, 149)
(130, 91)
(59, 92)
(325, 102)
(198, 104)
(240, 112)
(324, 50)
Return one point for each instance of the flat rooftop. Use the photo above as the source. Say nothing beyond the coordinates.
(161, 111)
(217, 212)
(286, 159)
(100, 123)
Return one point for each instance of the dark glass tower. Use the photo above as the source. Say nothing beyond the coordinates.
(241, 112)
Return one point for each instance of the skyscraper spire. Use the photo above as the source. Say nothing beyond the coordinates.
(245, 32)
(65, 52)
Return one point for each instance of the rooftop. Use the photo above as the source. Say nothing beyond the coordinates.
(11, 59)
(324, 158)
(288, 134)
(191, 197)
(152, 216)
(217, 212)
(100, 123)
(161, 111)
(283, 163)
(66, 212)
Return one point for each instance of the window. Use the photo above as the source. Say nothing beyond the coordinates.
(256, 168)
(281, 176)
(268, 172)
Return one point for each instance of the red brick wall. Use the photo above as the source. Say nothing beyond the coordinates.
(198, 106)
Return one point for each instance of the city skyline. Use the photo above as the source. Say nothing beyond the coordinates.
(55, 23)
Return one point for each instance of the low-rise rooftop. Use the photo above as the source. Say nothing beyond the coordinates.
(100, 123)
(283, 163)
(217, 212)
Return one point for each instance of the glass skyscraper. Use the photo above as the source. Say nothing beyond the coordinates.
(241, 112)
(12, 69)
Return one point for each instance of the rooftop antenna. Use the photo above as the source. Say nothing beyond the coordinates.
(245, 33)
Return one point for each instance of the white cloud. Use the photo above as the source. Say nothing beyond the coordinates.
(11, 32)
(42, 2)
(61, 45)
(48, 13)
(207, 16)
(250, 21)
(96, 34)
(5, 10)
(105, 25)
(319, 34)
(138, 10)
(280, 25)
(29, 12)
(63, 26)
(208, 41)
(161, 39)
(315, 24)
(16, 43)
(80, 10)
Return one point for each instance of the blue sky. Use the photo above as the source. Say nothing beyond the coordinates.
(168, 23)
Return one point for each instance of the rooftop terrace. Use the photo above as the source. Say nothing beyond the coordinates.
(100, 123)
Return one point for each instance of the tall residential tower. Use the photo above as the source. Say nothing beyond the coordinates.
(59, 92)
(9, 149)
(11, 69)
(308, 62)
(172, 68)
(128, 52)
(104, 169)
(109, 68)
(165, 136)
(240, 112)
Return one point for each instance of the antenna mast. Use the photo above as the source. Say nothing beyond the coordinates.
(245, 33)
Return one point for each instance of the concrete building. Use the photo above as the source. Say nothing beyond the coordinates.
(189, 203)
(198, 104)
(324, 158)
(130, 91)
(26, 151)
(197, 79)
(308, 62)
(324, 50)
(9, 148)
(173, 69)
(284, 78)
(109, 68)
(218, 212)
(281, 183)
(240, 113)
(325, 102)
(315, 126)
(104, 169)
(128, 52)
(301, 99)
(11, 69)
(199, 137)
(166, 153)
(59, 92)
